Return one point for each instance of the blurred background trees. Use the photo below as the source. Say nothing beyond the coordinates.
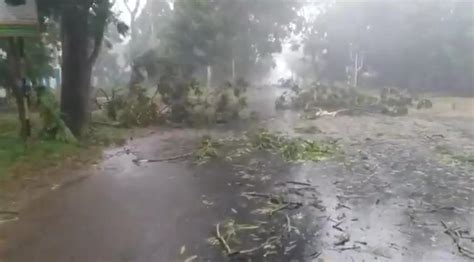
(420, 45)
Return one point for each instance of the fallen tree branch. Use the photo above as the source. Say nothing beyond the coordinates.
(163, 109)
(106, 124)
(315, 254)
(222, 240)
(7, 212)
(104, 93)
(327, 113)
(269, 241)
(138, 161)
(279, 208)
(8, 220)
(347, 248)
(455, 236)
(288, 223)
(344, 239)
(298, 183)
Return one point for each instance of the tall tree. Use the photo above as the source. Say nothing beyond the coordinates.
(82, 31)
(416, 44)
(232, 37)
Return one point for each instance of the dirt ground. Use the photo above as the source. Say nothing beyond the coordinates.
(384, 198)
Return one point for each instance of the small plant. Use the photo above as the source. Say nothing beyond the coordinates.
(53, 126)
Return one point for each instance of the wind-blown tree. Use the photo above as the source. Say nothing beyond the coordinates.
(235, 38)
(82, 26)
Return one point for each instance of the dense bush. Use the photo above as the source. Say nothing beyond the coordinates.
(391, 102)
(177, 101)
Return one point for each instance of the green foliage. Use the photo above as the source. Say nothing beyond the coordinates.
(424, 104)
(19, 158)
(319, 96)
(182, 102)
(196, 34)
(53, 126)
(139, 109)
(291, 149)
(41, 155)
(195, 105)
(453, 157)
(199, 107)
(392, 102)
(38, 60)
(114, 104)
(264, 140)
(207, 149)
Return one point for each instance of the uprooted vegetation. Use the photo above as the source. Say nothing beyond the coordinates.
(290, 149)
(177, 101)
(273, 224)
(318, 98)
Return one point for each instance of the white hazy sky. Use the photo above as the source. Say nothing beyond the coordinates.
(120, 7)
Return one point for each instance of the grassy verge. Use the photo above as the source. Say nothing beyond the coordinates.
(450, 156)
(18, 158)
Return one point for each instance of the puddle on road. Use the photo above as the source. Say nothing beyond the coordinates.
(377, 217)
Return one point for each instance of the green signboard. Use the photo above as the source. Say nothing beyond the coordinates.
(18, 18)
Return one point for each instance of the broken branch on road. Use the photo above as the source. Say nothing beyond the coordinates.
(222, 240)
(456, 236)
(138, 161)
(343, 239)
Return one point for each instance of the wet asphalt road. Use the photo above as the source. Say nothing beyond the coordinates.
(391, 189)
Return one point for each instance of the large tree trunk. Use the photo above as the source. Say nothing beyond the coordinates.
(16, 63)
(76, 68)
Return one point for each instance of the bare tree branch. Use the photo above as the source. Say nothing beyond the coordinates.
(133, 12)
(125, 2)
(102, 15)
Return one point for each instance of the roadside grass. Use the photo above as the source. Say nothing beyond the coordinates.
(446, 106)
(449, 156)
(18, 158)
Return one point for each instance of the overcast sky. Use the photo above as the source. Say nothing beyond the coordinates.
(120, 7)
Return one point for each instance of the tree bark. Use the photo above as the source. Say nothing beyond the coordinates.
(16, 63)
(76, 67)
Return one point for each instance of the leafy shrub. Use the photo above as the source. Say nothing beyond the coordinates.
(139, 109)
(53, 126)
(424, 104)
(392, 102)
(195, 105)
